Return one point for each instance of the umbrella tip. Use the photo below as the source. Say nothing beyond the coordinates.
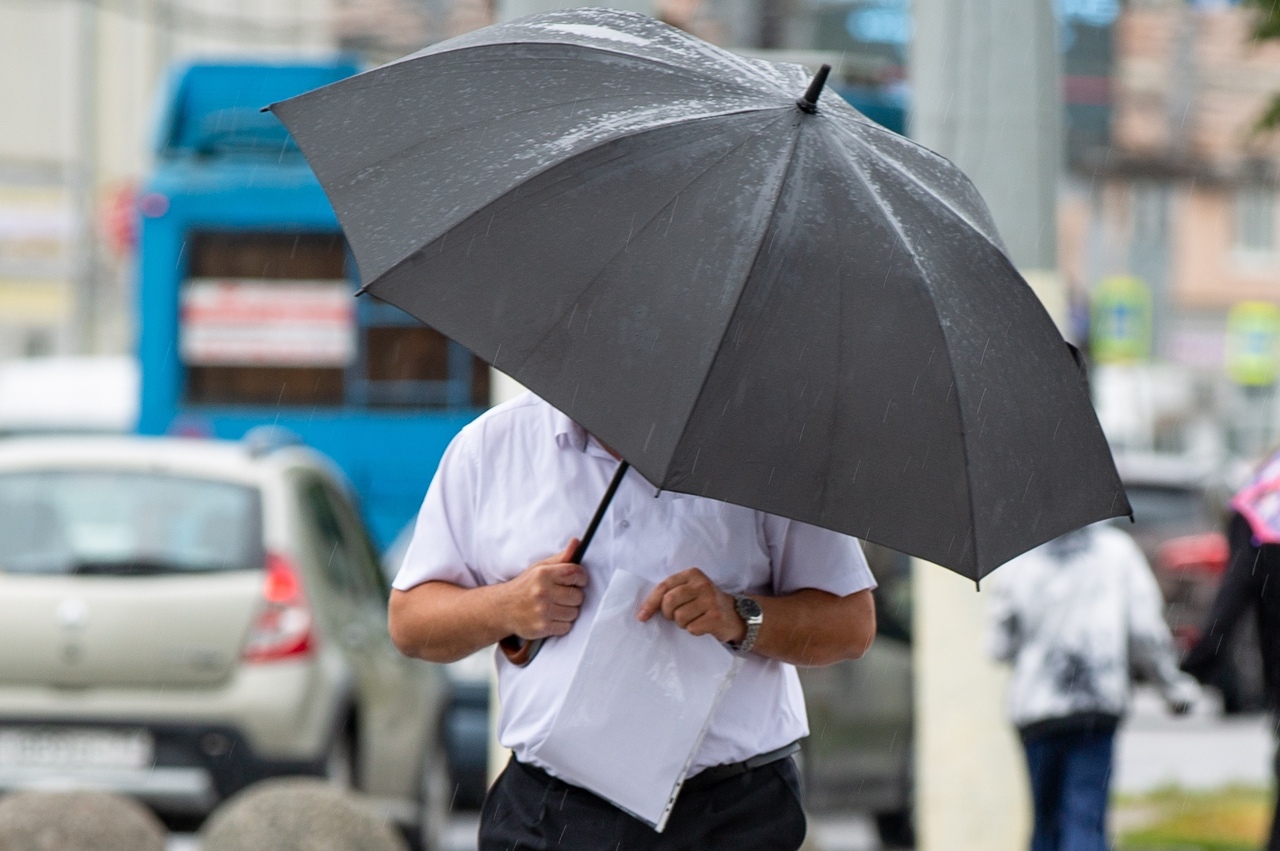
(809, 102)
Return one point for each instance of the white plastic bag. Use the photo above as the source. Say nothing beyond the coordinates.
(638, 706)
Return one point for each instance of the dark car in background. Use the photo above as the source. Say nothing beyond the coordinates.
(858, 755)
(1179, 513)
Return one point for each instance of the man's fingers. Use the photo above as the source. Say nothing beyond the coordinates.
(569, 574)
(564, 614)
(689, 612)
(680, 596)
(567, 595)
(653, 602)
(704, 624)
(561, 557)
(567, 553)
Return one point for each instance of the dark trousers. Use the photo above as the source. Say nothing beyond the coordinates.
(1070, 779)
(528, 810)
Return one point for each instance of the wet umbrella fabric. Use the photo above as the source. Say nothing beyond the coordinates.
(785, 308)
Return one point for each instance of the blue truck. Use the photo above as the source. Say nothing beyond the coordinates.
(246, 304)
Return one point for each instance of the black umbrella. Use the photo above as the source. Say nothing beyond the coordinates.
(750, 293)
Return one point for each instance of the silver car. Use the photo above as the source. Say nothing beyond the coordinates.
(180, 618)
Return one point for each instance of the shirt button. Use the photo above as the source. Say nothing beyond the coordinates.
(625, 524)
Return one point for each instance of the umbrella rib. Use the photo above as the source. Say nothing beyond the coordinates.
(764, 232)
(539, 173)
(896, 166)
(401, 153)
(645, 226)
(924, 277)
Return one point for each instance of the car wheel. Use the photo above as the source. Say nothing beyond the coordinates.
(897, 829)
(436, 803)
(340, 764)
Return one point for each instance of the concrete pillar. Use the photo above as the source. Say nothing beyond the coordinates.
(986, 95)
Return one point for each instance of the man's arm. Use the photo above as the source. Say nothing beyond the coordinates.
(807, 627)
(443, 622)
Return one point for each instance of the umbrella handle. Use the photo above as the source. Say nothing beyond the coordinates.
(520, 652)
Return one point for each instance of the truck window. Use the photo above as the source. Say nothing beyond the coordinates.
(270, 319)
(265, 319)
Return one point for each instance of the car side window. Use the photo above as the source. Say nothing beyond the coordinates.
(365, 567)
(334, 549)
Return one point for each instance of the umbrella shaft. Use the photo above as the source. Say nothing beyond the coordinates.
(516, 649)
(580, 553)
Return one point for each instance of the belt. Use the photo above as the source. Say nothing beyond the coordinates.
(719, 773)
(707, 777)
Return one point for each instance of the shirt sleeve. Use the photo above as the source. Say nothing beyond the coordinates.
(441, 547)
(806, 556)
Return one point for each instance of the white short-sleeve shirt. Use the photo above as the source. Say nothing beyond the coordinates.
(522, 479)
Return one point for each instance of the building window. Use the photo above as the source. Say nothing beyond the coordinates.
(1255, 225)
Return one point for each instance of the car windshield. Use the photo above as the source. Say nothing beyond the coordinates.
(126, 523)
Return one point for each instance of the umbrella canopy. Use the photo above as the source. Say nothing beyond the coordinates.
(1259, 501)
(749, 295)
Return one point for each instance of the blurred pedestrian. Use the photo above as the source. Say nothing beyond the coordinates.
(1250, 582)
(1079, 618)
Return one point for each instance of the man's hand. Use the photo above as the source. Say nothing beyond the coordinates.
(545, 599)
(696, 605)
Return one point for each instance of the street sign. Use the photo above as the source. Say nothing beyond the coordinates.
(1121, 320)
(1253, 343)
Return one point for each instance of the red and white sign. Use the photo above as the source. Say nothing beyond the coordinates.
(260, 322)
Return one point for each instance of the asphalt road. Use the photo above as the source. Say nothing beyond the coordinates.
(1202, 750)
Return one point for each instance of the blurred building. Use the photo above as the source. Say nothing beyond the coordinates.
(1180, 203)
(1184, 197)
(78, 83)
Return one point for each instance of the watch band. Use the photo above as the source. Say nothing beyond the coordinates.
(752, 615)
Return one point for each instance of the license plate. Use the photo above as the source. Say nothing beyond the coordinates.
(71, 748)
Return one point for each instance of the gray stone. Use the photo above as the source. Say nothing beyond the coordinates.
(77, 821)
(296, 814)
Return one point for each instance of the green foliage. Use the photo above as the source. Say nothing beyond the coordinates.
(1232, 819)
(1267, 24)
(1270, 119)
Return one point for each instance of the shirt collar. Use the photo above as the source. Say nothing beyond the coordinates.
(570, 435)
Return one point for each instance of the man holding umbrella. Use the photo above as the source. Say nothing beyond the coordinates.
(486, 562)
(770, 306)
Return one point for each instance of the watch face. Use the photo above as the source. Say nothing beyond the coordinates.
(748, 608)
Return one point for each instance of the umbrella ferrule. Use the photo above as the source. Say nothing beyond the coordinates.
(809, 101)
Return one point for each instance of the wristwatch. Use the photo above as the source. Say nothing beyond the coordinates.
(750, 612)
